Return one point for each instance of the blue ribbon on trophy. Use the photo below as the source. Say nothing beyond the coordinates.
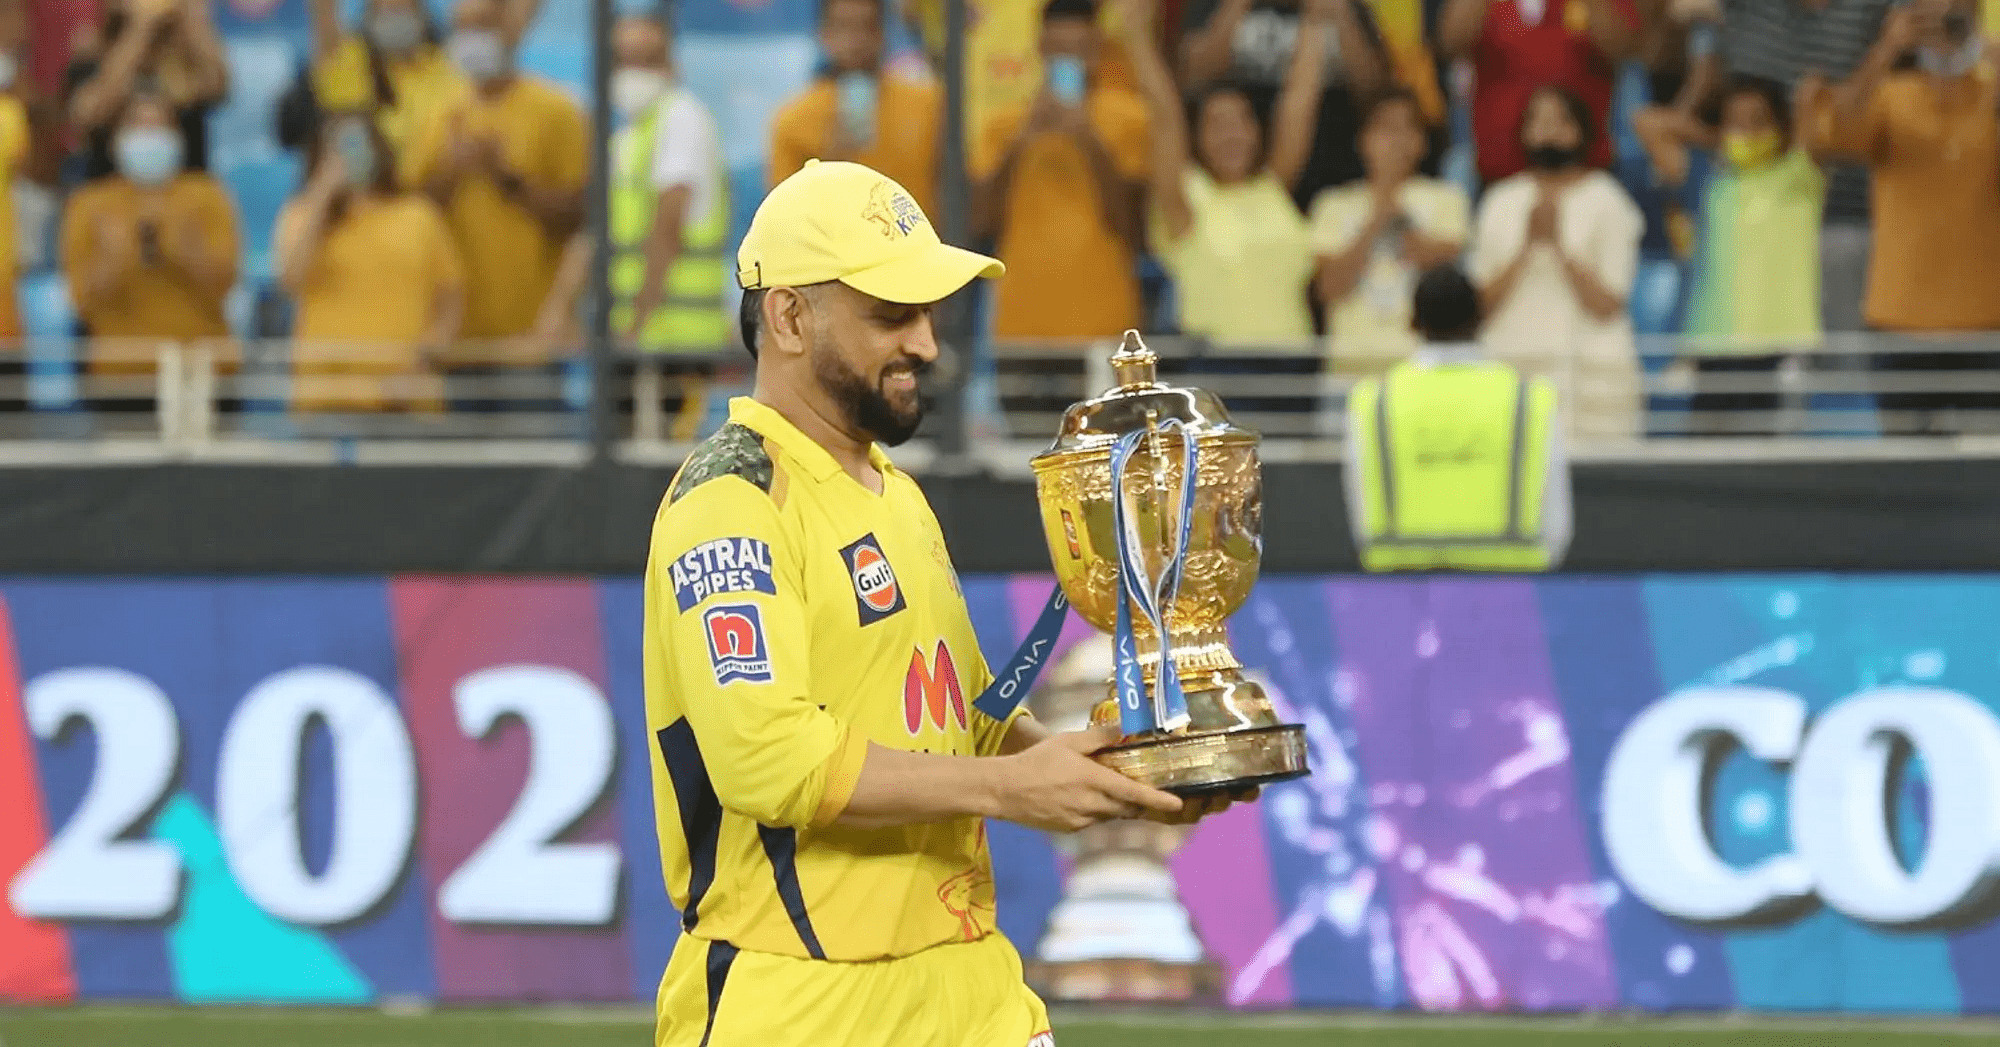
(1151, 596)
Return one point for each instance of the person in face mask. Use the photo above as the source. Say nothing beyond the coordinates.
(1554, 252)
(376, 275)
(168, 48)
(1928, 134)
(507, 162)
(391, 63)
(1756, 296)
(856, 110)
(669, 215)
(669, 208)
(150, 250)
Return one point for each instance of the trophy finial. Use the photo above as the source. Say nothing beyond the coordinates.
(1133, 363)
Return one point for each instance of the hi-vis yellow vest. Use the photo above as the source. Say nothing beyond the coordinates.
(692, 316)
(1453, 462)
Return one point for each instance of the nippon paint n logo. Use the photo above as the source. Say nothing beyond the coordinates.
(931, 692)
(736, 647)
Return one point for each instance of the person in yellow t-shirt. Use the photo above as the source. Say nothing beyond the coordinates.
(1223, 221)
(1058, 186)
(394, 66)
(376, 276)
(507, 162)
(1375, 236)
(14, 146)
(1002, 67)
(150, 250)
(859, 112)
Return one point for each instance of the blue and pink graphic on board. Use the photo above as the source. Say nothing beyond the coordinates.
(1776, 792)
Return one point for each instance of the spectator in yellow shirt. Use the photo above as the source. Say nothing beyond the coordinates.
(857, 111)
(507, 162)
(395, 65)
(1058, 185)
(376, 276)
(14, 150)
(150, 250)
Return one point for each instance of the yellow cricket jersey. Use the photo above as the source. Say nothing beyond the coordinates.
(792, 617)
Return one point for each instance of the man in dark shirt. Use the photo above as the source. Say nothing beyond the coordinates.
(1252, 40)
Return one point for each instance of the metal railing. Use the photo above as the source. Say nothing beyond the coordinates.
(1847, 396)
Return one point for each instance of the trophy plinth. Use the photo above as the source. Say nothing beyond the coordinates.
(1232, 737)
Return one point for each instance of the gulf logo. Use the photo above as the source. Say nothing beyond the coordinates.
(876, 594)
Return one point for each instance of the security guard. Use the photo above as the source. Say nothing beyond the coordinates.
(669, 214)
(669, 203)
(1455, 462)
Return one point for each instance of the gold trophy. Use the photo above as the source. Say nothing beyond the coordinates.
(1152, 499)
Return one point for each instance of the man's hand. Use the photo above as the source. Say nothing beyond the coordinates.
(1903, 26)
(463, 152)
(1812, 93)
(1325, 11)
(1056, 786)
(1136, 19)
(1542, 220)
(1055, 116)
(1194, 809)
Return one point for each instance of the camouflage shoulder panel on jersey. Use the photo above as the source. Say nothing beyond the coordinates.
(734, 450)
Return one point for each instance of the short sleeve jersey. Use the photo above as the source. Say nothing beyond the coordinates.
(792, 617)
(510, 258)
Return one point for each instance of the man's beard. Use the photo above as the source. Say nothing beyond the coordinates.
(862, 401)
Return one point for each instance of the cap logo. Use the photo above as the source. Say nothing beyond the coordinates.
(893, 211)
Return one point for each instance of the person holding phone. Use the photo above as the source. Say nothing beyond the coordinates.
(1919, 112)
(1058, 184)
(856, 110)
(151, 249)
(1222, 218)
(166, 48)
(1254, 45)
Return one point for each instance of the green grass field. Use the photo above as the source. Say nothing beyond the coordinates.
(570, 1027)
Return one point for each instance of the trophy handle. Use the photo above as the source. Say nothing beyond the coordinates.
(1152, 596)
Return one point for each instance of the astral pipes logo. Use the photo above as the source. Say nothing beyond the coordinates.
(1843, 851)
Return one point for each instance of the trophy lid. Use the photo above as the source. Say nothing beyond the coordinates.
(1139, 400)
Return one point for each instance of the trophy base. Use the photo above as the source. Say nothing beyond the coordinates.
(1125, 981)
(1212, 761)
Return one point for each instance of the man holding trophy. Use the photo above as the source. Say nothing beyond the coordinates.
(822, 770)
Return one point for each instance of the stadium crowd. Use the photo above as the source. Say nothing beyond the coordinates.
(1266, 175)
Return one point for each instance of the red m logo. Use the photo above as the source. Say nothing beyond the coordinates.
(928, 691)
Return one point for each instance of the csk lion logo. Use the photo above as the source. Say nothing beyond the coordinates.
(893, 211)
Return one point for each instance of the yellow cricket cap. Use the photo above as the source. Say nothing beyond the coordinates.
(849, 222)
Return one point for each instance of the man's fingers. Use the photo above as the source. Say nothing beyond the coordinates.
(1091, 739)
(1142, 796)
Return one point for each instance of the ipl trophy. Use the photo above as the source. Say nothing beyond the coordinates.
(1152, 504)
